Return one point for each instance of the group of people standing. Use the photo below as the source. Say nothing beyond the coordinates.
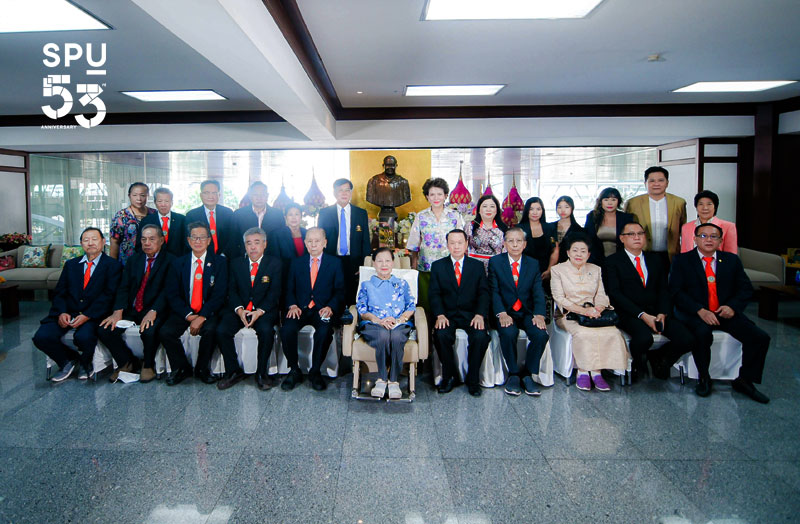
(215, 271)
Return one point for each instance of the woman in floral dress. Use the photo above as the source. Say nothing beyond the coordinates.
(125, 224)
(427, 239)
(486, 233)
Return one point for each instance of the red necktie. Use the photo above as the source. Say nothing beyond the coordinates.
(515, 273)
(458, 273)
(639, 270)
(138, 304)
(314, 271)
(197, 288)
(213, 223)
(253, 272)
(165, 228)
(87, 274)
(713, 301)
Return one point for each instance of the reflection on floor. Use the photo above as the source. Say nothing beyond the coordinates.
(653, 452)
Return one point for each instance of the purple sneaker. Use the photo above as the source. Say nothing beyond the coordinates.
(584, 382)
(600, 383)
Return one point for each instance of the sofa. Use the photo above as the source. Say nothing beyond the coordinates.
(763, 268)
(34, 278)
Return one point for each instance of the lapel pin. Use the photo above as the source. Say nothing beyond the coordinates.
(358, 229)
(265, 280)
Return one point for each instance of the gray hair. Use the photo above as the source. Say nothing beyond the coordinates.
(159, 231)
(162, 191)
(317, 228)
(255, 231)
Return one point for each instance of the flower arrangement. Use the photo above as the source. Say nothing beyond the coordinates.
(404, 226)
(11, 241)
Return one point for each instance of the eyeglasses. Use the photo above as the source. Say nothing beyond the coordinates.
(198, 239)
(636, 234)
(704, 236)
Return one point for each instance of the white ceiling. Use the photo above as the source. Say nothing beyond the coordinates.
(380, 46)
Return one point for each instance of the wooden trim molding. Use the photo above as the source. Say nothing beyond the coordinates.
(164, 117)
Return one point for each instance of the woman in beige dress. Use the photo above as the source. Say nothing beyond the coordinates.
(574, 283)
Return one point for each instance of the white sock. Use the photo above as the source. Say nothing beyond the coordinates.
(595, 373)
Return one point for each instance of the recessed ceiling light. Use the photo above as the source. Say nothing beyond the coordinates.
(455, 90)
(732, 87)
(506, 9)
(21, 16)
(175, 96)
(359, 92)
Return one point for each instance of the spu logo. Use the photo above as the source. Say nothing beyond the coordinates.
(57, 85)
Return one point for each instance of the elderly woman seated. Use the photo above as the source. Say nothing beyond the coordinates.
(385, 306)
(578, 288)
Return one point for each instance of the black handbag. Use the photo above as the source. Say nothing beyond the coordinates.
(607, 318)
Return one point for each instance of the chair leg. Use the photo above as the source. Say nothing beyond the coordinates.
(683, 377)
(412, 373)
(48, 372)
(356, 378)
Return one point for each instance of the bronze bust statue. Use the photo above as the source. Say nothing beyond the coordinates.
(388, 190)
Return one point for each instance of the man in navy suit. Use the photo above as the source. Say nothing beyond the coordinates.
(518, 302)
(636, 283)
(216, 217)
(459, 299)
(172, 224)
(83, 297)
(711, 290)
(253, 293)
(196, 291)
(258, 214)
(140, 298)
(314, 294)
(347, 228)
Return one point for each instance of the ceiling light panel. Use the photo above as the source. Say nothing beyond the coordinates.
(454, 90)
(507, 9)
(733, 87)
(175, 96)
(22, 16)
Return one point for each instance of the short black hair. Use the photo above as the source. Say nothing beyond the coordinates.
(204, 183)
(576, 237)
(655, 169)
(441, 183)
(528, 204)
(92, 228)
(634, 223)
(708, 224)
(381, 250)
(711, 196)
(476, 222)
(292, 205)
(198, 225)
(257, 183)
(340, 182)
(153, 226)
(456, 230)
(137, 184)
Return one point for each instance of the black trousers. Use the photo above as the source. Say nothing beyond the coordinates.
(323, 334)
(680, 338)
(350, 270)
(537, 340)
(48, 340)
(230, 324)
(170, 335)
(755, 343)
(445, 339)
(114, 341)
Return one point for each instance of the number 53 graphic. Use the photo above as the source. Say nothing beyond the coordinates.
(91, 96)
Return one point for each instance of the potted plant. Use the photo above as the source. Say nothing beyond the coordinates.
(11, 241)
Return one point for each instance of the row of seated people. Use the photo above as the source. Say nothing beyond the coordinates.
(195, 291)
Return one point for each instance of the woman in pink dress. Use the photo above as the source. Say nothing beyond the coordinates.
(707, 203)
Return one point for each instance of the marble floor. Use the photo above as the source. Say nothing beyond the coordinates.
(146, 453)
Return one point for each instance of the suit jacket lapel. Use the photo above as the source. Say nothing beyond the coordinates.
(644, 214)
(697, 264)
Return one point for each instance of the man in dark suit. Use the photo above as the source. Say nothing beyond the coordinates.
(710, 290)
(518, 302)
(459, 299)
(314, 294)
(140, 298)
(83, 296)
(168, 221)
(636, 283)
(216, 217)
(253, 293)
(196, 292)
(258, 214)
(349, 226)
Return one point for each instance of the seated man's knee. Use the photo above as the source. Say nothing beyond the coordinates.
(45, 336)
(85, 339)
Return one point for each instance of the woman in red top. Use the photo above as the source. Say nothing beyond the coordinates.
(288, 242)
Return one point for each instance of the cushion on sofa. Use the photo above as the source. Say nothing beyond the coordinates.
(8, 262)
(68, 252)
(34, 256)
(31, 278)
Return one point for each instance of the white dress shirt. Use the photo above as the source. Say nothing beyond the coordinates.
(193, 268)
(641, 261)
(713, 261)
(347, 230)
(208, 216)
(659, 224)
(460, 264)
(260, 216)
(96, 261)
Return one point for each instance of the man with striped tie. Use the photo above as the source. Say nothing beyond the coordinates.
(253, 293)
(196, 292)
(636, 284)
(83, 297)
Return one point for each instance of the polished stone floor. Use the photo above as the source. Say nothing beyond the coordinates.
(146, 453)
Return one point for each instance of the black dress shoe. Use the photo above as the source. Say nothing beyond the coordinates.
(294, 378)
(232, 379)
(474, 390)
(178, 376)
(205, 376)
(447, 385)
(703, 388)
(747, 388)
(265, 383)
(318, 383)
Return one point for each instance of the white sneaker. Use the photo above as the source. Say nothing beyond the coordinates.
(394, 390)
(380, 389)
